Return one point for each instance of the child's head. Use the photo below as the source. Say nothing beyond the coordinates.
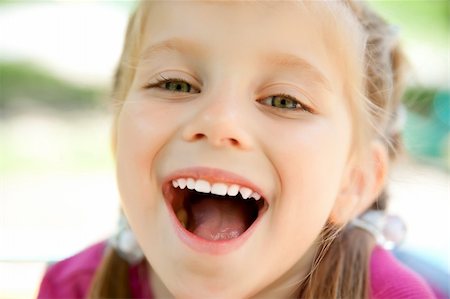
(290, 101)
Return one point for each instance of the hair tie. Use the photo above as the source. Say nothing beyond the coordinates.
(125, 244)
(388, 230)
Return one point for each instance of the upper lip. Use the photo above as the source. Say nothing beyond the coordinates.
(213, 175)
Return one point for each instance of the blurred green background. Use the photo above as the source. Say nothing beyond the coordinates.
(56, 172)
(424, 27)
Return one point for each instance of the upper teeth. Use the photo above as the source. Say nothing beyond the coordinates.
(215, 188)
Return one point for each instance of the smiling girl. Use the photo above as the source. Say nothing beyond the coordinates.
(248, 136)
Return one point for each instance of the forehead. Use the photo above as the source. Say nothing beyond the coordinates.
(321, 33)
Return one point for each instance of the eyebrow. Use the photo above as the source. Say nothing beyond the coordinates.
(175, 44)
(289, 61)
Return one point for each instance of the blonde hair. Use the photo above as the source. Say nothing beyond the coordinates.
(341, 267)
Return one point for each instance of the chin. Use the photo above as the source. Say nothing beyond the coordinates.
(189, 274)
(211, 288)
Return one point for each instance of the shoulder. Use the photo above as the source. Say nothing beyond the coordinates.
(391, 279)
(71, 278)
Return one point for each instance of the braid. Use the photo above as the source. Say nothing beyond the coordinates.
(111, 279)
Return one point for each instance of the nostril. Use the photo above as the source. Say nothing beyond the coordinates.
(217, 142)
(199, 136)
(234, 142)
(217, 136)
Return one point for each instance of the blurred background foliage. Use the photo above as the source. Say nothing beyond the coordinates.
(427, 21)
(421, 23)
(411, 15)
(25, 85)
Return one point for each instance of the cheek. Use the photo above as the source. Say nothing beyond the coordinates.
(142, 131)
(310, 160)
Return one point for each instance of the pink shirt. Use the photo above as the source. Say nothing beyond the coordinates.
(71, 277)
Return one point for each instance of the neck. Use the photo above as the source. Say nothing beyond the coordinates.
(287, 285)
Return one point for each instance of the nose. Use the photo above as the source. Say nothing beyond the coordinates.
(221, 123)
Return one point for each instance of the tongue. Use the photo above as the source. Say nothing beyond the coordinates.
(218, 219)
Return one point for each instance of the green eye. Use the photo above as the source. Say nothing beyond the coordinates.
(177, 86)
(282, 102)
(173, 85)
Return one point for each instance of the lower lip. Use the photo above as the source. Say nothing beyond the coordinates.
(210, 247)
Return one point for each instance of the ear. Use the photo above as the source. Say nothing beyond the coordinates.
(362, 184)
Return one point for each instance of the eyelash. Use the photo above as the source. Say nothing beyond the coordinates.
(301, 107)
(162, 81)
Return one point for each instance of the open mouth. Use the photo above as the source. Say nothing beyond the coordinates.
(214, 211)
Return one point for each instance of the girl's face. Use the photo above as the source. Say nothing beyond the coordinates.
(237, 97)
